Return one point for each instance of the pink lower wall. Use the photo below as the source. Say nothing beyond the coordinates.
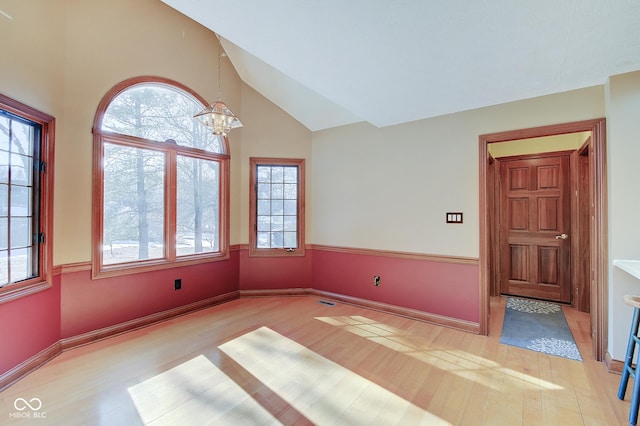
(76, 304)
(271, 273)
(29, 325)
(443, 288)
(88, 305)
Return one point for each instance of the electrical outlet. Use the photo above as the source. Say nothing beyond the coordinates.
(177, 284)
(376, 281)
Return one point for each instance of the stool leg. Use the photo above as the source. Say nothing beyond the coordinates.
(635, 397)
(628, 360)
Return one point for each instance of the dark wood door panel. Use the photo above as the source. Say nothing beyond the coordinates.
(549, 265)
(549, 212)
(518, 178)
(548, 176)
(519, 263)
(536, 291)
(518, 214)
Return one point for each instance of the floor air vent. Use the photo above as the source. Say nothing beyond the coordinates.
(324, 302)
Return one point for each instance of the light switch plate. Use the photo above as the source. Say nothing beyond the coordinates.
(454, 217)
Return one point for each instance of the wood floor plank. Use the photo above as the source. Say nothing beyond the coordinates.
(292, 360)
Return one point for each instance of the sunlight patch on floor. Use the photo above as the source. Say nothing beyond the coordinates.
(460, 363)
(323, 391)
(196, 392)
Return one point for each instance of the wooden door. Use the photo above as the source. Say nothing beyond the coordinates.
(535, 218)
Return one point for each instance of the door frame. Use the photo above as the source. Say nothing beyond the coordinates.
(598, 232)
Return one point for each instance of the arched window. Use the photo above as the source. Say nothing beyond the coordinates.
(160, 180)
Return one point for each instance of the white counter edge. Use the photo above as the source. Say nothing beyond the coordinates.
(631, 267)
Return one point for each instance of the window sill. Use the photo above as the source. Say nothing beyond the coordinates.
(107, 271)
(17, 291)
(300, 252)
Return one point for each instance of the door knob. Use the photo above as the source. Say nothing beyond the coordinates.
(562, 237)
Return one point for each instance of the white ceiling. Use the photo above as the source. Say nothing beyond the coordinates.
(334, 62)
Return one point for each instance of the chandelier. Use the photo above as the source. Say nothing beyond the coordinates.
(218, 116)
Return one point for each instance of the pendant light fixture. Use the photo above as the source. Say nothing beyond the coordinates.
(218, 116)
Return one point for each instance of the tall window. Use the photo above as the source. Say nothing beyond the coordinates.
(26, 182)
(276, 207)
(162, 180)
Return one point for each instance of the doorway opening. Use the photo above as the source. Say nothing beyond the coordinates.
(587, 227)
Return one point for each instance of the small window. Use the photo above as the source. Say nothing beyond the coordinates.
(26, 182)
(277, 207)
(160, 177)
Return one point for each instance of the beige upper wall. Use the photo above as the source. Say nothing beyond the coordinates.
(390, 188)
(63, 58)
(623, 175)
(33, 52)
(556, 143)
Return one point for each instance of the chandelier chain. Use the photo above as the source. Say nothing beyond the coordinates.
(219, 68)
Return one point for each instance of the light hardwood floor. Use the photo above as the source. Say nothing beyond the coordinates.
(296, 361)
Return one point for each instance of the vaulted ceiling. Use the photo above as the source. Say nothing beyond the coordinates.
(333, 62)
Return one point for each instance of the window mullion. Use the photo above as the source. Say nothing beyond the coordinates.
(9, 187)
(171, 204)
